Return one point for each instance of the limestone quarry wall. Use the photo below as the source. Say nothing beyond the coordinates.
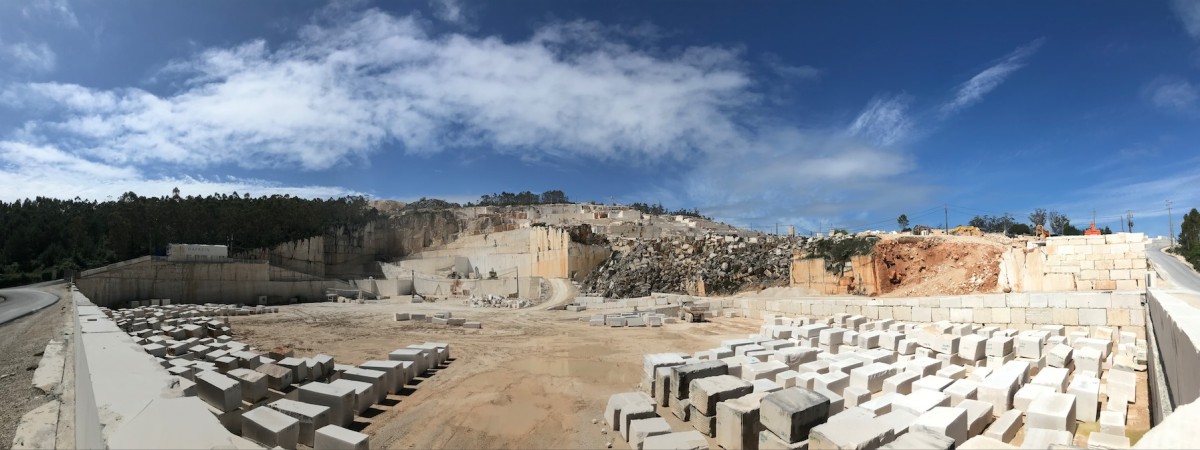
(198, 282)
(858, 278)
(1077, 263)
(1019, 311)
(546, 252)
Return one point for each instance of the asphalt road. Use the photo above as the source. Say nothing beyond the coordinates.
(21, 301)
(1172, 269)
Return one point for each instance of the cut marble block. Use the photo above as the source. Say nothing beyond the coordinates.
(1053, 377)
(921, 401)
(792, 412)
(999, 388)
(312, 417)
(395, 373)
(979, 373)
(999, 346)
(787, 378)
(1005, 427)
(738, 422)
(833, 381)
(1059, 356)
(1028, 393)
(845, 366)
(1040, 438)
(854, 396)
(769, 441)
(1086, 390)
(705, 393)
(415, 355)
(793, 357)
(682, 375)
(900, 383)
(219, 391)
(1053, 411)
(1088, 359)
(296, 365)
(641, 429)
(947, 421)
(979, 416)
(854, 432)
(765, 385)
(880, 405)
(1104, 346)
(682, 409)
(706, 425)
(921, 440)
(1030, 345)
(617, 402)
(270, 428)
(898, 421)
(339, 399)
(836, 403)
(996, 362)
(953, 372)
(254, 384)
(871, 377)
(807, 380)
(363, 394)
(932, 383)
(763, 370)
(1122, 384)
(984, 443)
(335, 437)
(1105, 441)
(691, 439)
(924, 366)
(962, 390)
(1112, 422)
(906, 347)
(378, 381)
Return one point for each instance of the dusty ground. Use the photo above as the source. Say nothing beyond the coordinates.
(913, 266)
(528, 379)
(21, 344)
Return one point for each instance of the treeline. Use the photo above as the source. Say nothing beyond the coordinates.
(658, 208)
(1051, 220)
(522, 198)
(42, 237)
(1189, 238)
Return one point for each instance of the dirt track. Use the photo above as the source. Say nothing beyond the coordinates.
(528, 379)
(21, 344)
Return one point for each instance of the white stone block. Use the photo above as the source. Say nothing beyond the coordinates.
(270, 428)
(1005, 427)
(999, 346)
(1086, 390)
(219, 391)
(1039, 438)
(900, 383)
(705, 393)
(871, 377)
(339, 399)
(946, 421)
(1100, 440)
(791, 413)
(962, 390)
(1053, 377)
(641, 429)
(1052, 411)
(335, 437)
(311, 417)
(921, 401)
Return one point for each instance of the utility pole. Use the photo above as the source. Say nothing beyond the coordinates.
(518, 282)
(1171, 221)
(414, 284)
(946, 209)
(1129, 218)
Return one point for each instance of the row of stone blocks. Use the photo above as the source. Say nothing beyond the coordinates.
(631, 319)
(440, 318)
(307, 400)
(874, 397)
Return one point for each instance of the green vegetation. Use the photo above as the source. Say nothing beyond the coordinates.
(1189, 238)
(522, 198)
(42, 237)
(903, 222)
(990, 224)
(838, 251)
(658, 208)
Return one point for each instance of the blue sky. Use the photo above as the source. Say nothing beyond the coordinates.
(756, 113)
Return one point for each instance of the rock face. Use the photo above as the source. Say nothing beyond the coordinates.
(711, 265)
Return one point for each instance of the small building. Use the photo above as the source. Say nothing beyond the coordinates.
(197, 253)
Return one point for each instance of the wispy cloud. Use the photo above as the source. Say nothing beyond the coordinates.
(973, 90)
(54, 11)
(1188, 12)
(28, 57)
(449, 10)
(884, 121)
(1173, 94)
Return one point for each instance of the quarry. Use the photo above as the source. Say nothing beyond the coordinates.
(597, 326)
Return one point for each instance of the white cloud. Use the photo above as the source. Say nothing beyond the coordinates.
(449, 10)
(973, 90)
(36, 57)
(341, 92)
(57, 11)
(1189, 14)
(1172, 94)
(884, 121)
(29, 171)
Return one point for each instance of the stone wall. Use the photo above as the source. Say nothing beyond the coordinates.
(1176, 322)
(1016, 310)
(197, 282)
(1114, 262)
(859, 276)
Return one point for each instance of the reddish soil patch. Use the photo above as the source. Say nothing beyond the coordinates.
(913, 266)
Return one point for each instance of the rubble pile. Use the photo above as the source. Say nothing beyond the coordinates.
(496, 301)
(724, 265)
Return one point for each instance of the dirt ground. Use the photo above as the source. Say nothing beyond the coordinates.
(22, 342)
(912, 266)
(528, 379)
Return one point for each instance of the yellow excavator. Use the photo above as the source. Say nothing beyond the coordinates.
(966, 230)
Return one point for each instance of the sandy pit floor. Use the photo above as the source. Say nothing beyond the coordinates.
(528, 379)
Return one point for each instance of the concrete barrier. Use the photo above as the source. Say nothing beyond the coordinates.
(1175, 317)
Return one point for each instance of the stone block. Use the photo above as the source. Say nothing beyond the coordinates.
(1100, 440)
(219, 391)
(962, 390)
(946, 421)
(1059, 356)
(851, 433)
(933, 383)
(618, 402)
(705, 393)
(999, 346)
(898, 421)
(377, 379)
(394, 370)
(833, 381)
(641, 429)
(339, 399)
(1093, 316)
(921, 440)
(871, 377)
(682, 375)
(1030, 345)
(1086, 390)
(270, 428)
(311, 417)
(1038, 438)
(853, 396)
(952, 371)
(363, 394)
(1052, 411)
(921, 401)
(738, 422)
(880, 405)
(335, 437)
(791, 413)
(1088, 359)
(765, 385)
(691, 439)
(253, 384)
(900, 383)
(763, 370)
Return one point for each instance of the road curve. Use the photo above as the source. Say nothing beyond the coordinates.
(1171, 268)
(22, 301)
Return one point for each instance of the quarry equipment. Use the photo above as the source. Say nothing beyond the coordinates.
(1041, 233)
(966, 230)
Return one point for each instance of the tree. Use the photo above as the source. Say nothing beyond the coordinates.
(1106, 230)
(902, 221)
(1038, 217)
(1059, 222)
(1189, 232)
(1020, 229)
